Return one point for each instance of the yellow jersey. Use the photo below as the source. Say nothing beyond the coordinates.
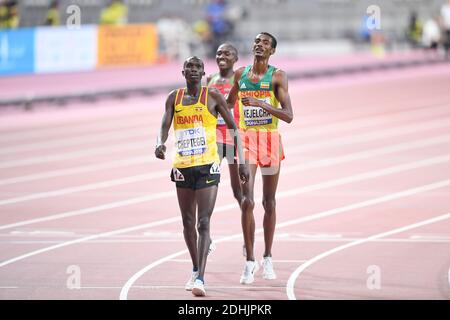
(195, 132)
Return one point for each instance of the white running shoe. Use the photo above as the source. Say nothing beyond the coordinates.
(267, 265)
(198, 289)
(190, 284)
(212, 247)
(248, 275)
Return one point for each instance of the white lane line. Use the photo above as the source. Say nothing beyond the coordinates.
(308, 132)
(95, 151)
(292, 279)
(115, 124)
(77, 128)
(387, 240)
(209, 259)
(171, 220)
(295, 150)
(69, 142)
(160, 287)
(358, 205)
(416, 128)
(42, 233)
(93, 241)
(91, 237)
(368, 175)
(373, 136)
(322, 163)
(143, 132)
(430, 237)
(405, 193)
(392, 148)
(330, 143)
(288, 261)
(107, 206)
(76, 170)
(302, 166)
(86, 187)
(368, 122)
(448, 276)
(108, 241)
(313, 236)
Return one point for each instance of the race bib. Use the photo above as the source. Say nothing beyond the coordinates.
(215, 169)
(221, 121)
(256, 116)
(191, 142)
(177, 175)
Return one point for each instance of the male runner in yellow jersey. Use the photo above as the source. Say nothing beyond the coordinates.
(195, 170)
(226, 57)
(263, 96)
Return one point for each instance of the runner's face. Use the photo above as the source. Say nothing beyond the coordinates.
(225, 57)
(262, 46)
(193, 70)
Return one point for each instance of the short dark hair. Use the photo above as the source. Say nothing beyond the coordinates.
(193, 58)
(233, 48)
(274, 41)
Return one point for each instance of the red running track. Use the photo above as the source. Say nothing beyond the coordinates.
(363, 202)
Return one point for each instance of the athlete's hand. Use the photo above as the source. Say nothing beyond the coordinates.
(160, 152)
(250, 101)
(244, 173)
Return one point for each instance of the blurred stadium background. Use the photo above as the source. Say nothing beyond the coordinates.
(99, 39)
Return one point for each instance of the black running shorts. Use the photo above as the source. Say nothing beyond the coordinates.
(197, 177)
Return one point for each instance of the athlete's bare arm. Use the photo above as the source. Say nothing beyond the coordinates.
(165, 126)
(221, 106)
(280, 84)
(233, 95)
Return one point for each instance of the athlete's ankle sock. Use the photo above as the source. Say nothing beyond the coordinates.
(195, 269)
(201, 279)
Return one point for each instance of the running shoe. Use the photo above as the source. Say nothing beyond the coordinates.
(198, 289)
(248, 275)
(190, 284)
(267, 265)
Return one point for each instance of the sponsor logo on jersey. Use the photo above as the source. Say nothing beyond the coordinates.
(191, 141)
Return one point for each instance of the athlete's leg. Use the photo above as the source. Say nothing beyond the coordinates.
(220, 150)
(230, 154)
(186, 201)
(247, 217)
(206, 199)
(235, 182)
(270, 183)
